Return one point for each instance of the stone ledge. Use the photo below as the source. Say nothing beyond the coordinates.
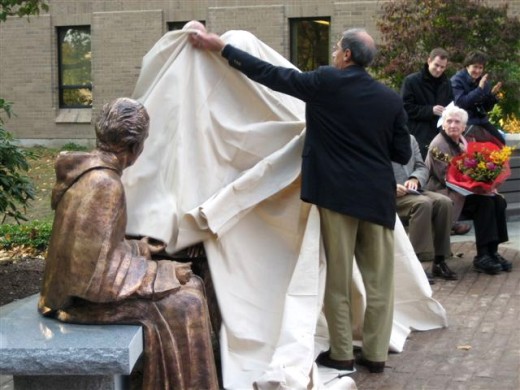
(74, 115)
(31, 344)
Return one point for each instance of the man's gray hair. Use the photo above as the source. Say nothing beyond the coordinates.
(362, 51)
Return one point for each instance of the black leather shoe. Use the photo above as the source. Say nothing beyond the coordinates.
(441, 270)
(487, 264)
(324, 359)
(373, 367)
(506, 265)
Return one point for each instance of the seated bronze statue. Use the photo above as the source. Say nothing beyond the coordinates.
(94, 275)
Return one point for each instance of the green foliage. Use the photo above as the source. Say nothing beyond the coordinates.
(73, 147)
(21, 8)
(16, 187)
(411, 29)
(35, 234)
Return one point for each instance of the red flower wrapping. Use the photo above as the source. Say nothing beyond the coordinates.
(477, 152)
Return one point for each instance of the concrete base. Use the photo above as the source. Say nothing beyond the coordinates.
(43, 353)
(85, 382)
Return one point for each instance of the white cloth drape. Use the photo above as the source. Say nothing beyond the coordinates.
(221, 165)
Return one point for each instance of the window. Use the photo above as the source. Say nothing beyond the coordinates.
(179, 25)
(74, 67)
(310, 42)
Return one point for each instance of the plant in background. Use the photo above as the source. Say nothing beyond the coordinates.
(507, 123)
(411, 29)
(21, 8)
(29, 239)
(73, 147)
(16, 187)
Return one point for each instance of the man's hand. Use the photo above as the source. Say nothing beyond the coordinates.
(208, 41)
(183, 272)
(412, 184)
(401, 190)
(437, 110)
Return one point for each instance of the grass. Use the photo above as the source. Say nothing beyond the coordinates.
(30, 238)
(42, 175)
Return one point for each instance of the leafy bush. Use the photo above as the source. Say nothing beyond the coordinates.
(35, 234)
(21, 8)
(16, 187)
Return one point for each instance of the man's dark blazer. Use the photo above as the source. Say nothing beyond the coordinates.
(355, 127)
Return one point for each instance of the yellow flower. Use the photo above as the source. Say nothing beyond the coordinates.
(501, 156)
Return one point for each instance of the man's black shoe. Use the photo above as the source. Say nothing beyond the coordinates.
(441, 270)
(487, 264)
(373, 367)
(324, 359)
(506, 265)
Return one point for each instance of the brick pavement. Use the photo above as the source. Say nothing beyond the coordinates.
(480, 348)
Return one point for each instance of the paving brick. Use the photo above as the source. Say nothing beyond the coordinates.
(480, 349)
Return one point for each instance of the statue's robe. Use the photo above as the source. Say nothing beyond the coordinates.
(93, 275)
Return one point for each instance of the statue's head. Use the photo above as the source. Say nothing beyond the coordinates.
(122, 127)
(194, 25)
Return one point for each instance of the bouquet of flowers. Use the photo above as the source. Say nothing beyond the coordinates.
(481, 169)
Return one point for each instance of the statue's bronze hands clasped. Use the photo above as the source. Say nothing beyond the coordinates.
(183, 272)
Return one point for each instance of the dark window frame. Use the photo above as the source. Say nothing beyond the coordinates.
(61, 32)
(321, 55)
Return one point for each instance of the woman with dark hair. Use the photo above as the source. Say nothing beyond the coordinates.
(473, 92)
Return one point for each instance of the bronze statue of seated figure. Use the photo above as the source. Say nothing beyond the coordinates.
(94, 275)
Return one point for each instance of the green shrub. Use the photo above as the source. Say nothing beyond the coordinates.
(73, 147)
(35, 235)
(17, 190)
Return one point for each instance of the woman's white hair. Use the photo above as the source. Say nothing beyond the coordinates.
(452, 110)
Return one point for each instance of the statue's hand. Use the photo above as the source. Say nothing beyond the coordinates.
(183, 272)
(149, 246)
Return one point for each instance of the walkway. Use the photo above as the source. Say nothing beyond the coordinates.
(479, 350)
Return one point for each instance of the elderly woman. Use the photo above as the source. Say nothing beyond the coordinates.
(487, 211)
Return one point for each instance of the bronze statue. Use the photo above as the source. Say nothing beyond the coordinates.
(94, 275)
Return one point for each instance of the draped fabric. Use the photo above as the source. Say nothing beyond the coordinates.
(222, 166)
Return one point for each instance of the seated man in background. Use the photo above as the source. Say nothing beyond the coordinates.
(428, 213)
(93, 275)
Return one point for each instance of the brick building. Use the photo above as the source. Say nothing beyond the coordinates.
(35, 63)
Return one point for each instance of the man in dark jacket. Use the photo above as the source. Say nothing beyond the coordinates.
(425, 95)
(355, 127)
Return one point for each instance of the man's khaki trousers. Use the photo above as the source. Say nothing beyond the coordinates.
(373, 247)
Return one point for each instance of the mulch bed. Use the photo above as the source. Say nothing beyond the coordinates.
(20, 278)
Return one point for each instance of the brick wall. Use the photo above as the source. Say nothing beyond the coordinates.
(122, 32)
